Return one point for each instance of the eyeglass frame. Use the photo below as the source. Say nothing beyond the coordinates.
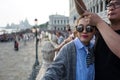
(88, 28)
(115, 5)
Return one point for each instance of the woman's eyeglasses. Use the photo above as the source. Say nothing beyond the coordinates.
(80, 28)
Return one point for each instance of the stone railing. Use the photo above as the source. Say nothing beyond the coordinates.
(47, 56)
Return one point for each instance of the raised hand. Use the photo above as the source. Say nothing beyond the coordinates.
(80, 6)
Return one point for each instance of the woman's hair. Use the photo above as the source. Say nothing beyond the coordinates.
(77, 21)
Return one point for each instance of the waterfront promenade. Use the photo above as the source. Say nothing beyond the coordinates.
(17, 65)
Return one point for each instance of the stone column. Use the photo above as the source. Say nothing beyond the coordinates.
(103, 5)
(47, 57)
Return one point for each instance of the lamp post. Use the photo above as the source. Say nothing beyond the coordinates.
(35, 30)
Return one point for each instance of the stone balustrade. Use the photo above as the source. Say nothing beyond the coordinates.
(47, 56)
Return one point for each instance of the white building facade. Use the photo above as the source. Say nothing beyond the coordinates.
(58, 22)
(96, 6)
(73, 13)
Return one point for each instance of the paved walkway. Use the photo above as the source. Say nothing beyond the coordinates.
(17, 65)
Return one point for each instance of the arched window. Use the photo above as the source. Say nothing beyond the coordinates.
(97, 8)
(55, 27)
(101, 6)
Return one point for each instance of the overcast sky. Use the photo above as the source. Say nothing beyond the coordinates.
(13, 11)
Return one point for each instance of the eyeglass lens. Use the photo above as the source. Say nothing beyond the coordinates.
(80, 28)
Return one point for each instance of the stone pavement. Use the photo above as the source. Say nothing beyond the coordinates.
(17, 65)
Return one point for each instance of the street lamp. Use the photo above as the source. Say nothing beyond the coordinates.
(36, 30)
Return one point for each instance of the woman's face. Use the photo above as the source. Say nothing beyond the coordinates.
(85, 31)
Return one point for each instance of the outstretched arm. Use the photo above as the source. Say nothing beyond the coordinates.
(80, 6)
(111, 38)
(63, 43)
